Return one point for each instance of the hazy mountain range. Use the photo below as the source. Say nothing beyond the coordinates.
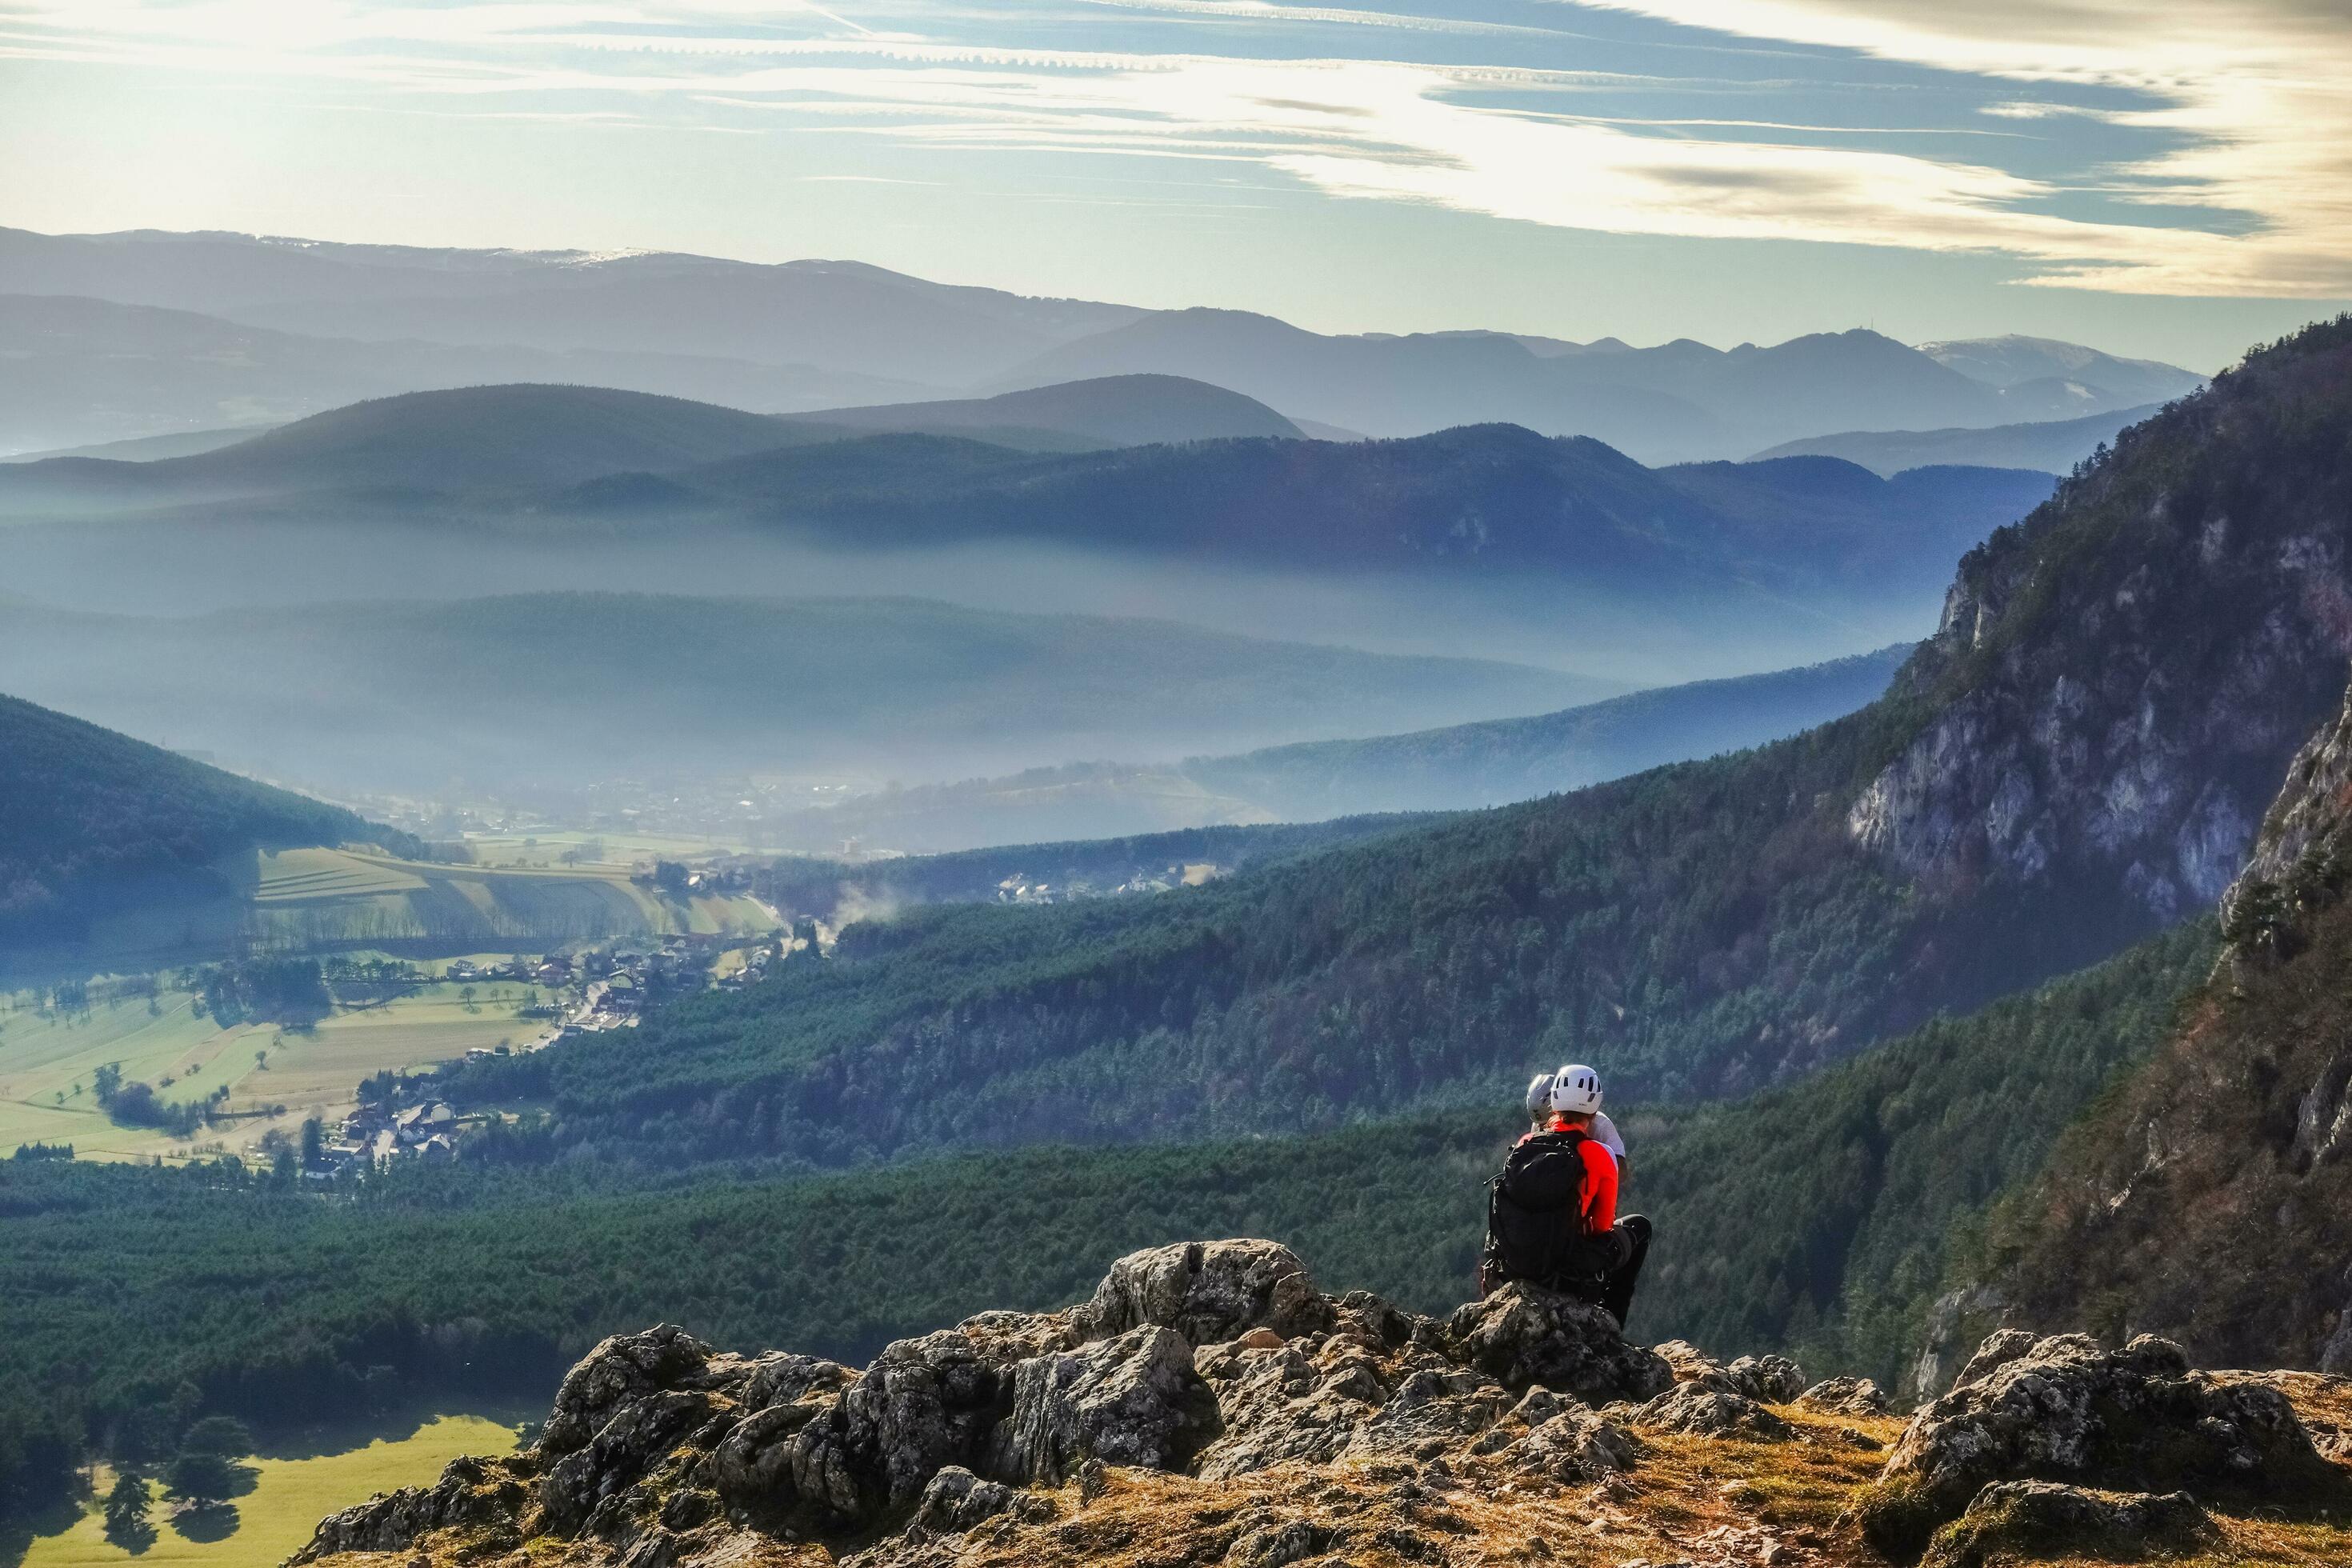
(567, 690)
(1460, 765)
(1487, 498)
(161, 332)
(1490, 540)
(2051, 446)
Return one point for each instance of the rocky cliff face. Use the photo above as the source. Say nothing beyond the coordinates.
(1210, 1405)
(2117, 682)
(2211, 1200)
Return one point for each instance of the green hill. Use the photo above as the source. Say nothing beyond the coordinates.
(468, 440)
(498, 437)
(89, 818)
(1478, 500)
(2075, 761)
(1110, 411)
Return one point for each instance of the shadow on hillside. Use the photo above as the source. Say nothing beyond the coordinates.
(216, 1521)
(18, 1532)
(396, 1424)
(135, 1540)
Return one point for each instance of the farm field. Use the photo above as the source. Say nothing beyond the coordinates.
(316, 1073)
(43, 1058)
(288, 1498)
(317, 899)
(325, 900)
(311, 1073)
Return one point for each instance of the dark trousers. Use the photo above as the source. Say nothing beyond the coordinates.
(1633, 1240)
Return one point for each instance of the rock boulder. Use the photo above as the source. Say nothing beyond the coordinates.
(2013, 1521)
(1286, 1402)
(955, 1500)
(2064, 1408)
(472, 1494)
(1522, 1335)
(620, 1369)
(1207, 1292)
(1845, 1396)
(1133, 1400)
(1711, 1412)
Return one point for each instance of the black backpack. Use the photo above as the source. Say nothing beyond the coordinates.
(1533, 1229)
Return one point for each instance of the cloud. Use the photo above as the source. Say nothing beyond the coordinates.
(2244, 185)
(2253, 92)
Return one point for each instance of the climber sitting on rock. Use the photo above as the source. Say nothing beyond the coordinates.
(1551, 1218)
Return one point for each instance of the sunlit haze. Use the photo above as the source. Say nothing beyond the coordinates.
(2168, 179)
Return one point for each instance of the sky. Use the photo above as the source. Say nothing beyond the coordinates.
(2169, 178)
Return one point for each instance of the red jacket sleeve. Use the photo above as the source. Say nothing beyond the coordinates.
(1600, 1185)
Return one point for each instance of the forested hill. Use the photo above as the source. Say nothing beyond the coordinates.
(85, 811)
(2075, 760)
(1487, 497)
(1460, 502)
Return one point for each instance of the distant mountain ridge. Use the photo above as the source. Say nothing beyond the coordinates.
(836, 315)
(810, 334)
(2051, 446)
(1675, 402)
(1490, 763)
(92, 371)
(2017, 362)
(1488, 540)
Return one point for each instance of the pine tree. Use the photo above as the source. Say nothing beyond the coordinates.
(126, 1509)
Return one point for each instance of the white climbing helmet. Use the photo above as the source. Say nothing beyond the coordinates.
(1539, 1094)
(1576, 1091)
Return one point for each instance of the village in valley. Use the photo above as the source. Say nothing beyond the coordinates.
(604, 987)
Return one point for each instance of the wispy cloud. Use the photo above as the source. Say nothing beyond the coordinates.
(2257, 94)
(2238, 107)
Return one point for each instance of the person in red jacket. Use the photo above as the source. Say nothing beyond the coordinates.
(1575, 1106)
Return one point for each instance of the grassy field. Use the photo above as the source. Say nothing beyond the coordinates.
(46, 1063)
(312, 1072)
(289, 1498)
(320, 898)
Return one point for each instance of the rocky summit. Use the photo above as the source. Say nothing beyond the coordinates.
(1209, 1405)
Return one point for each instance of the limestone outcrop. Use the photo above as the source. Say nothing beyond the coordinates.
(2065, 1409)
(1313, 1428)
(1219, 1359)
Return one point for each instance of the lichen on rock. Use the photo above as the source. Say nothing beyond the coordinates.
(2066, 1408)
